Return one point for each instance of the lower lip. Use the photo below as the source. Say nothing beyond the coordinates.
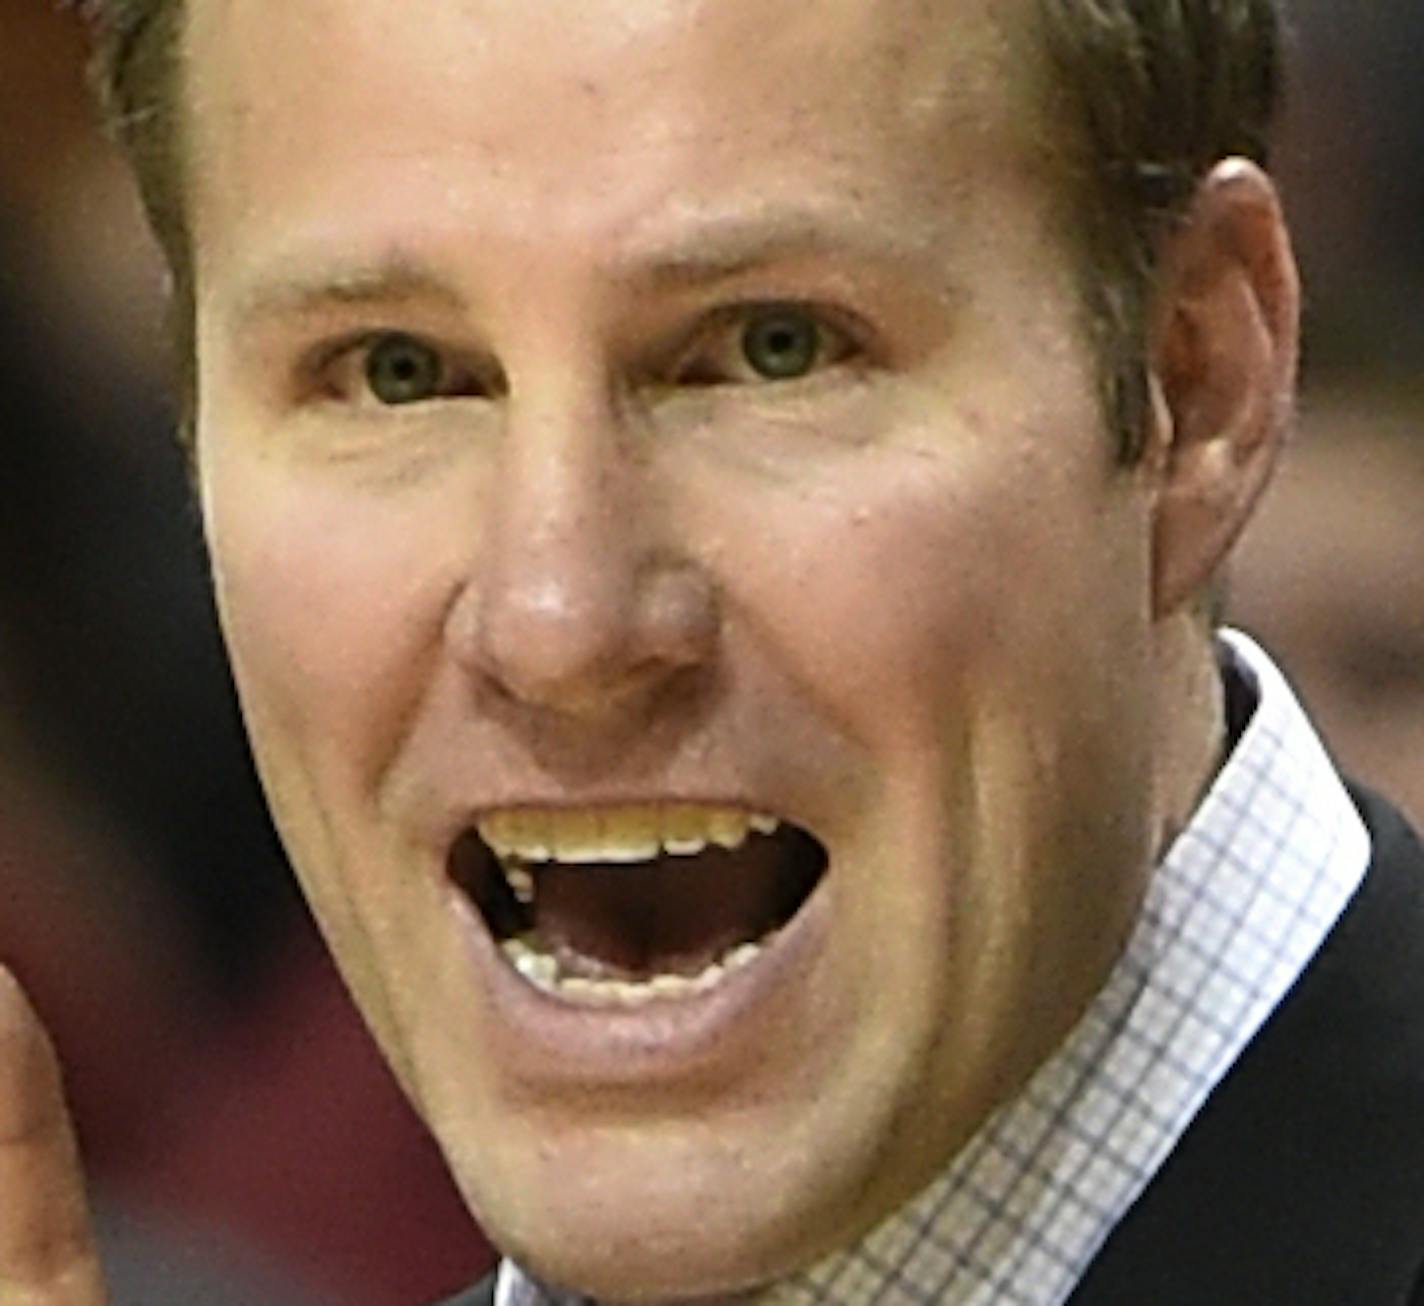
(540, 1039)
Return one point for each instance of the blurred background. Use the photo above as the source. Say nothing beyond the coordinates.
(245, 1141)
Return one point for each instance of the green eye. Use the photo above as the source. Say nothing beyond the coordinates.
(401, 370)
(782, 344)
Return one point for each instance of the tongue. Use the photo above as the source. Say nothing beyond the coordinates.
(671, 916)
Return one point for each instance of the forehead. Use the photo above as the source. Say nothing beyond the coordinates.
(580, 100)
(916, 52)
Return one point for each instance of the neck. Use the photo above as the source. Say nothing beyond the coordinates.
(1191, 722)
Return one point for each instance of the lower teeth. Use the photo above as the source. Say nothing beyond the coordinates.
(543, 971)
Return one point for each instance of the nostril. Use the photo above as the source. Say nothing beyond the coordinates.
(584, 650)
(677, 617)
(544, 638)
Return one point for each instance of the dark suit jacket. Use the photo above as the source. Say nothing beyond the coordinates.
(1301, 1182)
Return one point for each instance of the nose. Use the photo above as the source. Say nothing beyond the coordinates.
(579, 604)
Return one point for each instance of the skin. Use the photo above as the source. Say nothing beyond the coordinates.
(47, 1251)
(909, 602)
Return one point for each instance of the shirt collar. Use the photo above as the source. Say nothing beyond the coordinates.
(1232, 916)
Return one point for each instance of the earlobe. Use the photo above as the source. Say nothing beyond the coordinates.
(1223, 359)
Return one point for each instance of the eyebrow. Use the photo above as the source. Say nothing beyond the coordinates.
(299, 288)
(702, 253)
(727, 246)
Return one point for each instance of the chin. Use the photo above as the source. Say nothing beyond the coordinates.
(687, 1214)
(649, 1243)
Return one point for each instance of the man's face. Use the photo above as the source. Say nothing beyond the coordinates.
(622, 422)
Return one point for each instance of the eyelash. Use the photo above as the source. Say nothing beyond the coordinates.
(841, 338)
(322, 368)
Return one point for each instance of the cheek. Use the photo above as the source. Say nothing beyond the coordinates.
(331, 603)
(917, 587)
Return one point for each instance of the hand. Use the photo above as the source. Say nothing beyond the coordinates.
(47, 1251)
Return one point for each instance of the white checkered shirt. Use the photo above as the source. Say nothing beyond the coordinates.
(1234, 913)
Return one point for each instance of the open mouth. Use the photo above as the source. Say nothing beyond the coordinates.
(624, 905)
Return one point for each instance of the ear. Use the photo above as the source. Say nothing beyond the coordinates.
(1223, 357)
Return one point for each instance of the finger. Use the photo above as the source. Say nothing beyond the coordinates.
(47, 1252)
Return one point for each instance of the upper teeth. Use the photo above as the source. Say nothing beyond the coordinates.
(617, 834)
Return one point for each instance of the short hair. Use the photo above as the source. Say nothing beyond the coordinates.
(1153, 92)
